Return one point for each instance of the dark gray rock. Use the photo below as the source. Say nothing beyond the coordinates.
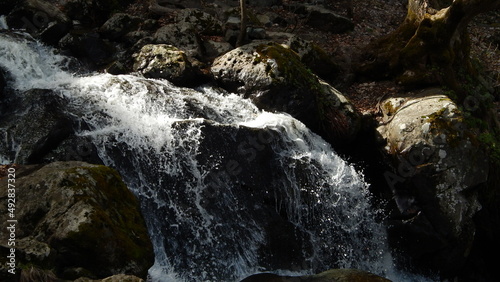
(41, 19)
(203, 23)
(37, 129)
(89, 47)
(265, 3)
(314, 58)
(119, 25)
(92, 13)
(326, 20)
(76, 219)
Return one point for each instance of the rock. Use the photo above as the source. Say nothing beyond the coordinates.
(3, 83)
(182, 36)
(273, 77)
(200, 21)
(233, 23)
(214, 49)
(54, 32)
(122, 278)
(37, 129)
(439, 163)
(40, 18)
(265, 3)
(165, 61)
(6, 6)
(314, 58)
(114, 278)
(92, 13)
(89, 47)
(256, 33)
(333, 275)
(119, 25)
(326, 20)
(77, 219)
(134, 37)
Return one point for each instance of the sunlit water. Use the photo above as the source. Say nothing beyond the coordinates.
(151, 132)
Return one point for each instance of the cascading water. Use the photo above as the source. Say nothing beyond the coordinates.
(213, 173)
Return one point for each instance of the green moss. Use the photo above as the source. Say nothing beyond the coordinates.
(447, 126)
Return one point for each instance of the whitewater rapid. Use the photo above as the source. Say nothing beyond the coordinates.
(151, 132)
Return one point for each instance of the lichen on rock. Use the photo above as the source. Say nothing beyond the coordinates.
(78, 219)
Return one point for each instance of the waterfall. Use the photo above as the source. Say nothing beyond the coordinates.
(192, 158)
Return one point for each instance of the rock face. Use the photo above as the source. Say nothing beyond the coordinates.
(273, 77)
(35, 128)
(333, 275)
(438, 163)
(77, 219)
(165, 61)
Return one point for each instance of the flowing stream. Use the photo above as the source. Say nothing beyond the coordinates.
(208, 167)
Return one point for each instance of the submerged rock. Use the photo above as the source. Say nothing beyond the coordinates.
(438, 164)
(274, 78)
(76, 219)
(333, 275)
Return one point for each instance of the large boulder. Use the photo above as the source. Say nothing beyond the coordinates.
(274, 78)
(75, 219)
(332, 275)
(168, 62)
(438, 165)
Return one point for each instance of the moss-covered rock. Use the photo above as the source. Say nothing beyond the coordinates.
(77, 219)
(438, 164)
(275, 79)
